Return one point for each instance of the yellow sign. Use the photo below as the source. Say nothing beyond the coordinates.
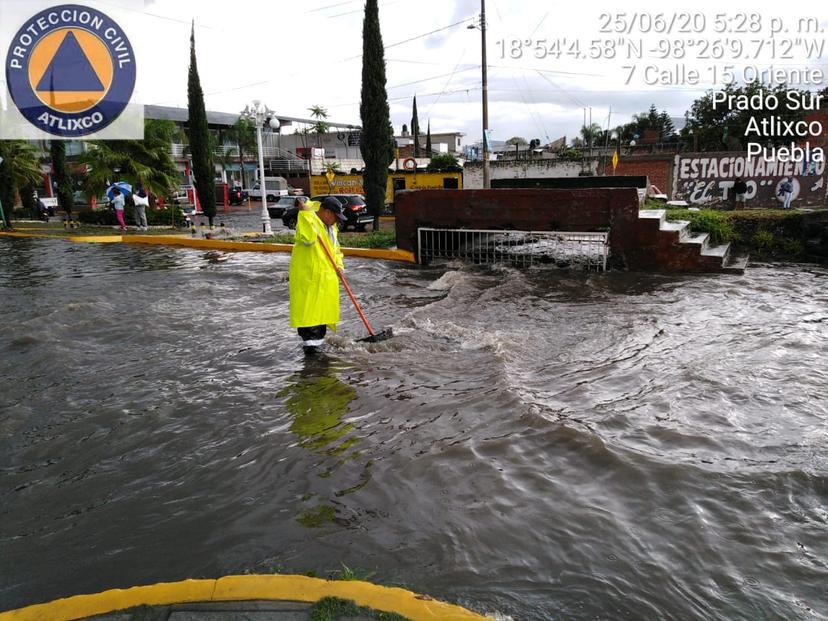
(614, 161)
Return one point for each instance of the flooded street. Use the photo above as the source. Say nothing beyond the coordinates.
(546, 444)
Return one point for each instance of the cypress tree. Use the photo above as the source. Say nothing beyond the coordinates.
(377, 142)
(203, 167)
(415, 129)
(428, 140)
(61, 177)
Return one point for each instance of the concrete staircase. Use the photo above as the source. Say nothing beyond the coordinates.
(671, 246)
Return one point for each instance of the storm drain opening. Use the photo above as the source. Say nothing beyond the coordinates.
(587, 250)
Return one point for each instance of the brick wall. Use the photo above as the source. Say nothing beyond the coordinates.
(600, 209)
(659, 169)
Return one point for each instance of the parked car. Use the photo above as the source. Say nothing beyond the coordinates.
(181, 197)
(283, 204)
(289, 216)
(355, 209)
(274, 187)
(79, 200)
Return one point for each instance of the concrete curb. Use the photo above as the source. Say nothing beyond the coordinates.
(218, 244)
(245, 588)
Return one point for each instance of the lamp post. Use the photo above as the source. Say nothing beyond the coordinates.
(260, 114)
(485, 80)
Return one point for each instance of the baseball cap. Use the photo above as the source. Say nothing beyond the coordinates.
(335, 207)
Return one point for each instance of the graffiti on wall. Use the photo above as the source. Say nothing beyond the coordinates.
(708, 178)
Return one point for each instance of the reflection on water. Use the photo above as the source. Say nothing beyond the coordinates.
(547, 444)
(318, 400)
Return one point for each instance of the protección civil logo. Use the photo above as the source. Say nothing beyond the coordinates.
(71, 70)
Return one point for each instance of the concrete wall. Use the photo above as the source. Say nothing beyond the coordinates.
(707, 179)
(518, 169)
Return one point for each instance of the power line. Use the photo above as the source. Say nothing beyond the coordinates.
(445, 86)
(425, 34)
(442, 75)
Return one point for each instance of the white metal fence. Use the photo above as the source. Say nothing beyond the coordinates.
(520, 248)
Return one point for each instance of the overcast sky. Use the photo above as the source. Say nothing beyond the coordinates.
(293, 55)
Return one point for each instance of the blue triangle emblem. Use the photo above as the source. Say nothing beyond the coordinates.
(70, 70)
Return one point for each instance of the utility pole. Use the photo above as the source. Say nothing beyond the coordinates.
(487, 183)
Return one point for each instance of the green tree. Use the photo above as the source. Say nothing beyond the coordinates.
(203, 168)
(518, 142)
(377, 142)
(61, 176)
(243, 133)
(19, 169)
(147, 162)
(589, 134)
(415, 128)
(443, 162)
(428, 148)
(321, 127)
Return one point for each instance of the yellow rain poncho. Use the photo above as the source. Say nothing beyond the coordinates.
(314, 284)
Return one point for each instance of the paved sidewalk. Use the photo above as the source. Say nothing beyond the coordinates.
(216, 611)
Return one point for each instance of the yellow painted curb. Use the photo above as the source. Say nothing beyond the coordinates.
(241, 246)
(219, 244)
(244, 588)
(82, 606)
(97, 239)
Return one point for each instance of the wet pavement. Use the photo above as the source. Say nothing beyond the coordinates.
(541, 443)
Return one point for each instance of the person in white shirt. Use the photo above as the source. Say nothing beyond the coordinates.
(141, 202)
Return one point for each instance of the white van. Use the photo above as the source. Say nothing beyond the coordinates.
(274, 188)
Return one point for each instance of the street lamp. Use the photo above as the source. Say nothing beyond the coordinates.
(260, 114)
(486, 172)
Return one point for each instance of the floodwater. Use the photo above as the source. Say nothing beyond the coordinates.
(544, 444)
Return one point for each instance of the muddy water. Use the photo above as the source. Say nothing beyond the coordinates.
(548, 445)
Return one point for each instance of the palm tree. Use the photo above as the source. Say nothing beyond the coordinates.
(243, 133)
(320, 127)
(147, 162)
(19, 169)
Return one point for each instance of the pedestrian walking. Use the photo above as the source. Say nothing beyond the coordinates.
(118, 204)
(141, 202)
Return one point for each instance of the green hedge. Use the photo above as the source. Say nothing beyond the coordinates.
(155, 217)
(764, 234)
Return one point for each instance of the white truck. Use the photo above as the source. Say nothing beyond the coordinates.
(274, 188)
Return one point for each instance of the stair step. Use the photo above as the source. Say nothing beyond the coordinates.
(716, 251)
(699, 239)
(737, 264)
(675, 225)
(655, 214)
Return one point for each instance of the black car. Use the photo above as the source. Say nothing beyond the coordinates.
(355, 209)
(281, 206)
(353, 206)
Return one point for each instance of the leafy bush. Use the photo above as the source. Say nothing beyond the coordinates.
(712, 223)
(765, 234)
(444, 162)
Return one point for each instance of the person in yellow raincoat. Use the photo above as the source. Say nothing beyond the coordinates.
(314, 283)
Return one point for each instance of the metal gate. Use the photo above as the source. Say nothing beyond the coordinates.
(519, 248)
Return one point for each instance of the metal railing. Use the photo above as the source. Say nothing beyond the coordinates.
(587, 250)
(288, 165)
